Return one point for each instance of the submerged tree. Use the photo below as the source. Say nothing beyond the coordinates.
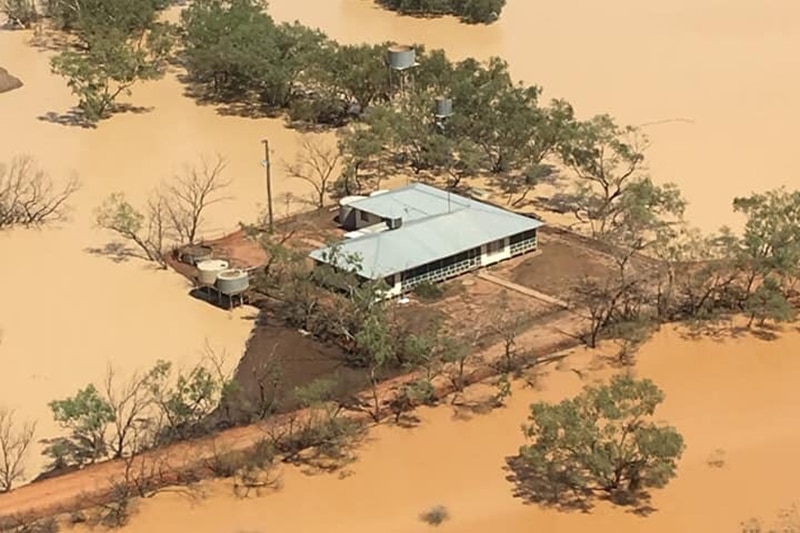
(147, 230)
(770, 246)
(613, 196)
(16, 438)
(122, 44)
(29, 196)
(603, 440)
(87, 417)
(23, 13)
(188, 196)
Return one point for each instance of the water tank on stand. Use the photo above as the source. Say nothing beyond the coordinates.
(209, 269)
(347, 215)
(232, 282)
(401, 57)
(444, 107)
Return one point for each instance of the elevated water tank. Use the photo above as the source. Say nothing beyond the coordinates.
(379, 191)
(444, 107)
(208, 270)
(347, 215)
(232, 281)
(401, 57)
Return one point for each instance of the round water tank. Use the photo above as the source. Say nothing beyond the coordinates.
(209, 269)
(195, 253)
(232, 281)
(401, 57)
(444, 106)
(379, 191)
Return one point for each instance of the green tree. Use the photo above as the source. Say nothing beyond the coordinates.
(363, 167)
(770, 244)
(90, 17)
(147, 231)
(603, 440)
(479, 11)
(357, 74)
(767, 302)
(236, 49)
(23, 13)
(374, 341)
(87, 416)
(110, 65)
(469, 11)
(607, 162)
(186, 401)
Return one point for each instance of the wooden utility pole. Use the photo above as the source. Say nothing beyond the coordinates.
(269, 185)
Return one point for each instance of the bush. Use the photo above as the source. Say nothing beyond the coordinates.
(428, 290)
(435, 516)
(470, 11)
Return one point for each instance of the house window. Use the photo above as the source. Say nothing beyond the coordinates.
(495, 247)
(364, 216)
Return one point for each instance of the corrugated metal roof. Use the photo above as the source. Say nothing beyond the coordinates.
(413, 202)
(429, 231)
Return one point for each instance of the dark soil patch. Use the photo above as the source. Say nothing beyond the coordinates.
(558, 266)
(563, 259)
(299, 359)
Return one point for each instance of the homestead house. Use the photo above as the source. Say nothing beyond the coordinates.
(419, 233)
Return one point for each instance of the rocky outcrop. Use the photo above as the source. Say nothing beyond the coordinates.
(8, 82)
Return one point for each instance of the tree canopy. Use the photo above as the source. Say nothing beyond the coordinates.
(470, 11)
(120, 43)
(603, 440)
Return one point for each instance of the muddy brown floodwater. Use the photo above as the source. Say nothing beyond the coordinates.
(713, 81)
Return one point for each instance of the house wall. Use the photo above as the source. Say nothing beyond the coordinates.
(395, 287)
(494, 252)
(365, 218)
(450, 267)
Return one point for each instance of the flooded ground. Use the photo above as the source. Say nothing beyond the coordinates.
(735, 396)
(724, 73)
(67, 310)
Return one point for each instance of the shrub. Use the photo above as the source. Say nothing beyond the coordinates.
(435, 516)
(428, 290)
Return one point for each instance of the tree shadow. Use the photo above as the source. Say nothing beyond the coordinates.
(226, 106)
(73, 118)
(117, 252)
(245, 109)
(720, 331)
(465, 410)
(551, 489)
(766, 332)
(76, 118)
(49, 40)
(407, 421)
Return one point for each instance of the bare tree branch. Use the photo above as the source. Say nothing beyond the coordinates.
(315, 164)
(15, 440)
(29, 197)
(190, 194)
